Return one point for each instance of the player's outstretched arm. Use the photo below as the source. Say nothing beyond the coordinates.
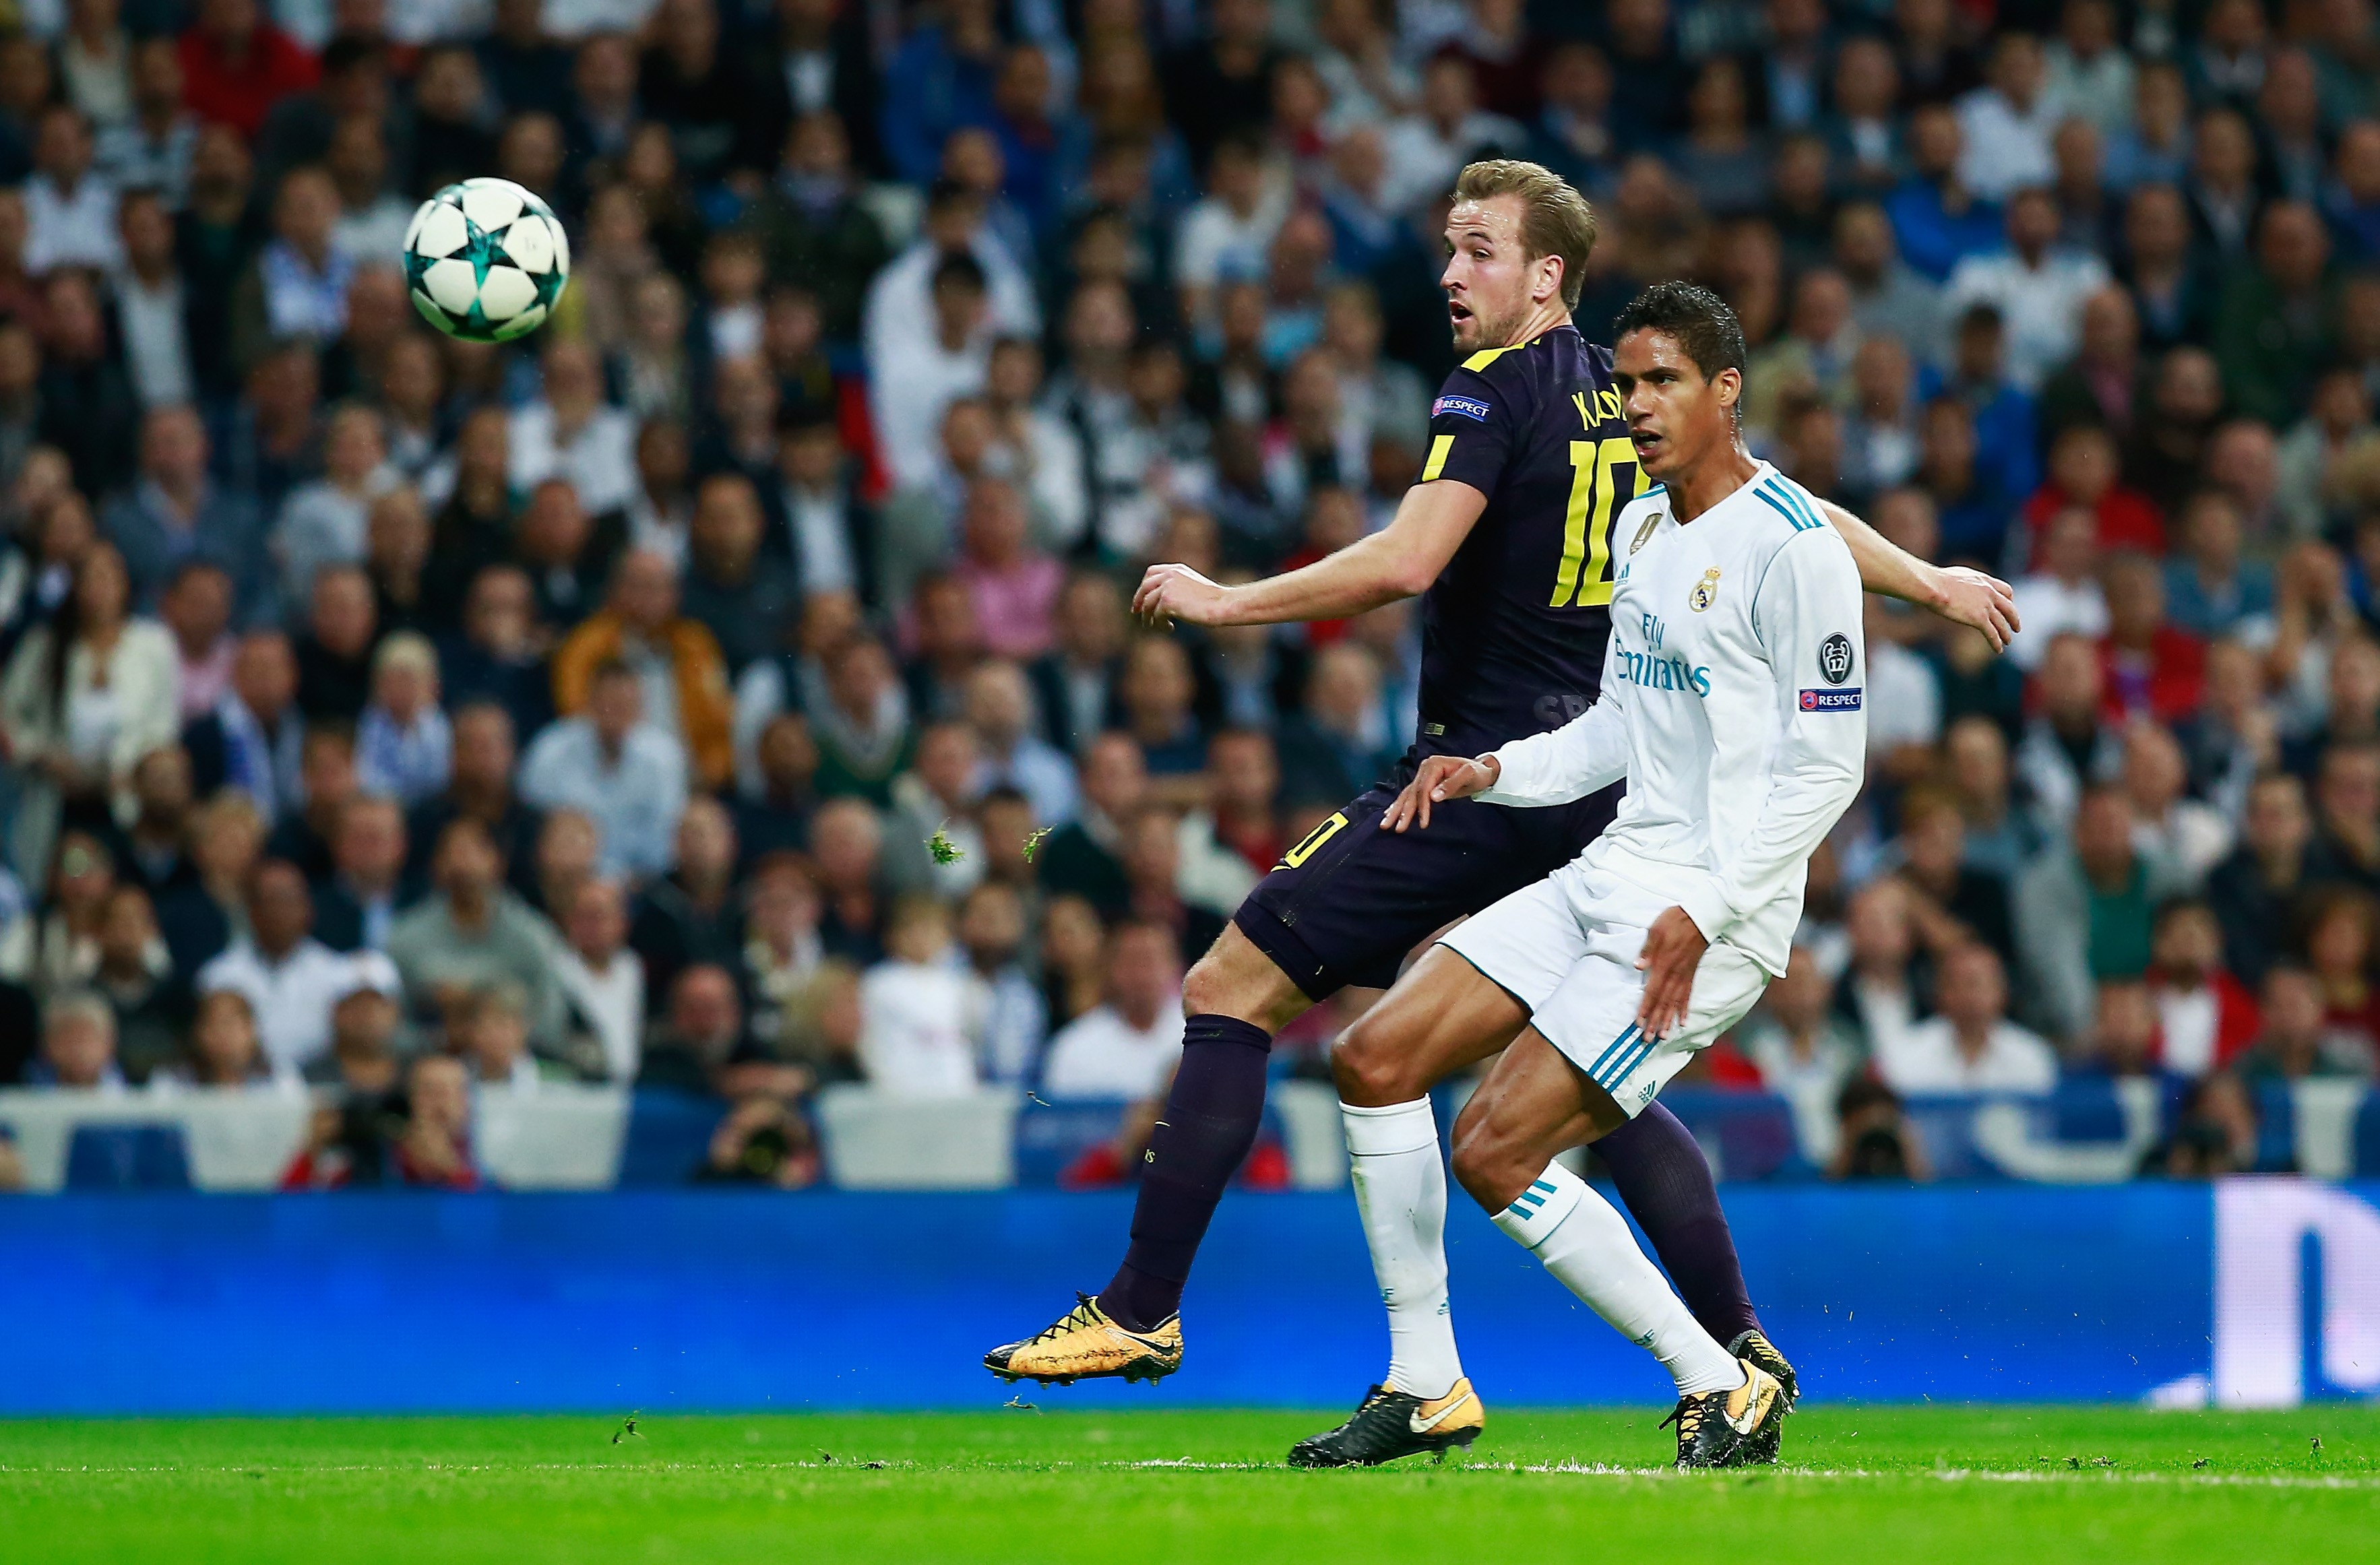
(1957, 593)
(1399, 560)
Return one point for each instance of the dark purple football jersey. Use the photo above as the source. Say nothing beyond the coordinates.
(1515, 628)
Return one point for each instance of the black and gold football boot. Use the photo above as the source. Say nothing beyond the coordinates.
(1084, 1344)
(1717, 1428)
(1754, 1348)
(1392, 1424)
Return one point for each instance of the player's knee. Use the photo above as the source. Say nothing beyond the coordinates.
(1369, 1068)
(1205, 990)
(1486, 1164)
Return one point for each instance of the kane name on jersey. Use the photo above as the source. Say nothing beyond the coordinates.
(1513, 630)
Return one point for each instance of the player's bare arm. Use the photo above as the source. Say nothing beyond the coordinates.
(1958, 594)
(1399, 560)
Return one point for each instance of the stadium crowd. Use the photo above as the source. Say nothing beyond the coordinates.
(730, 688)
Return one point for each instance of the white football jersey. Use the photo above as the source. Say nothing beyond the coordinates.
(1731, 703)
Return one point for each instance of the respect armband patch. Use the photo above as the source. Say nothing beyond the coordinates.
(1469, 406)
(1831, 700)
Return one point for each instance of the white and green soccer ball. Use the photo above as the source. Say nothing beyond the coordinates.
(486, 261)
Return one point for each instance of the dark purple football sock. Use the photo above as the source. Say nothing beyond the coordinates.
(1210, 1120)
(1666, 1186)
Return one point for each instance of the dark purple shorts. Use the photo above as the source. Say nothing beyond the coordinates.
(1348, 903)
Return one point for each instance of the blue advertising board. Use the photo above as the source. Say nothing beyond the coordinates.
(691, 1300)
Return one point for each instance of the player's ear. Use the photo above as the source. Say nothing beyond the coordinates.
(1729, 383)
(1549, 279)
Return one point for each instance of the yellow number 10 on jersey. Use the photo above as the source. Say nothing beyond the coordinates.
(1587, 538)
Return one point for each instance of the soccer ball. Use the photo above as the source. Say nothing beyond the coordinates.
(485, 261)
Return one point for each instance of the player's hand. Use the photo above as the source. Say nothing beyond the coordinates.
(1169, 593)
(1673, 949)
(1439, 779)
(1969, 597)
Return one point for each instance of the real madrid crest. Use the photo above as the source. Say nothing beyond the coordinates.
(1705, 591)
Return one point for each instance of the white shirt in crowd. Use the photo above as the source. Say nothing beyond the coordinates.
(2050, 608)
(919, 1026)
(292, 998)
(634, 798)
(2040, 306)
(1102, 1054)
(1926, 1060)
(600, 460)
(612, 1002)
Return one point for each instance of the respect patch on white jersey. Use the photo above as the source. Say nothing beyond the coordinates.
(1831, 700)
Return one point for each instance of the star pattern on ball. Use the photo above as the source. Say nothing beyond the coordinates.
(485, 261)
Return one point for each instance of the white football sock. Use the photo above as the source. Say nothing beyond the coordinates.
(1401, 1189)
(1583, 1240)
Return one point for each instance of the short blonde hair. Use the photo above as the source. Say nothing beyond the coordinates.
(407, 648)
(1555, 219)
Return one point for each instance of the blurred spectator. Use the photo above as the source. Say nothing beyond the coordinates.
(690, 917)
(472, 931)
(327, 773)
(1873, 1136)
(2063, 596)
(847, 841)
(2084, 912)
(674, 659)
(77, 1046)
(335, 652)
(404, 746)
(1971, 1046)
(224, 1049)
(1000, 710)
(862, 728)
(176, 514)
(924, 1016)
(135, 976)
(1126, 1047)
(2294, 1040)
(629, 775)
(196, 610)
(290, 979)
(2188, 835)
(1082, 858)
(2258, 892)
(85, 696)
(991, 932)
(1951, 901)
(57, 949)
(155, 846)
(2347, 814)
(201, 919)
(2037, 284)
(2205, 1018)
(762, 1141)
(325, 522)
(1802, 1051)
(730, 586)
(490, 1033)
(356, 906)
(1014, 588)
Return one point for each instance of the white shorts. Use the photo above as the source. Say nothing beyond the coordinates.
(1566, 947)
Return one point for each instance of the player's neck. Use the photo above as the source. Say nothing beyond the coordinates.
(1544, 318)
(1725, 469)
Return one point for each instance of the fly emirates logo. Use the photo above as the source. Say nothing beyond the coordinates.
(1650, 670)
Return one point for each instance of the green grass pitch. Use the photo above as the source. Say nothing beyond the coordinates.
(2007, 1485)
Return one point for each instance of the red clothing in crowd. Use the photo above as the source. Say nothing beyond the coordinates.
(2166, 682)
(2127, 520)
(2237, 1021)
(241, 92)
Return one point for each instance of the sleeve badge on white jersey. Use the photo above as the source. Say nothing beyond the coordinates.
(1834, 658)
